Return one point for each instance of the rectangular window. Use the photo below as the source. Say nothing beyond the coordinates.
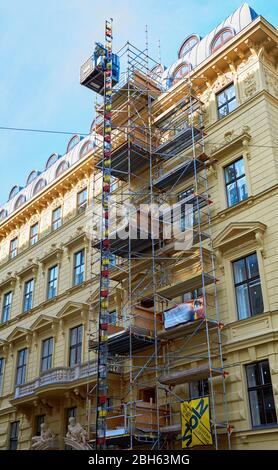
(82, 201)
(56, 218)
(248, 287)
(112, 319)
(2, 364)
(28, 295)
(47, 353)
(40, 419)
(260, 393)
(79, 266)
(52, 282)
(75, 352)
(7, 305)
(198, 389)
(13, 248)
(226, 101)
(190, 200)
(21, 366)
(235, 182)
(34, 234)
(14, 430)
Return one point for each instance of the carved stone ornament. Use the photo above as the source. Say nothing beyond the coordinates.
(46, 440)
(77, 436)
(271, 82)
(250, 84)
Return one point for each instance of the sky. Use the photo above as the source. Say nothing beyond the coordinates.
(43, 44)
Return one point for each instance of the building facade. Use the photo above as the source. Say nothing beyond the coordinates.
(49, 284)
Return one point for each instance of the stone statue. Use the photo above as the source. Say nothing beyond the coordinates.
(76, 432)
(45, 440)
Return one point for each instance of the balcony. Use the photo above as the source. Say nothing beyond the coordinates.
(57, 380)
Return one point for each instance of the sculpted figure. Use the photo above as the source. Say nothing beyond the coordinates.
(76, 432)
(46, 438)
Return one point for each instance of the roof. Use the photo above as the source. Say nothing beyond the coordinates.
(237, 21)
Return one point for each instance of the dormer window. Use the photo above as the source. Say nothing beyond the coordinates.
(33, 175)
(87, 148)
(181, 72)
(73, 142)
(19, 202)
(188, 44)
(39, 186)
(221, 38)
(62, 168)
(3, 214)
(14, 191)
(52, 159)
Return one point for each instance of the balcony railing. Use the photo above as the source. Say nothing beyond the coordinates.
(60, 375)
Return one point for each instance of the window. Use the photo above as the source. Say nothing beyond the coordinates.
(28, 295)
(13, 248)
(73, 142)
(184, 209)
(198, 389)
(19, 202)
(3, 214)
(147, 395)
(14, 191)
(14, 430)
(188, 44)
(248, 287)
(221, 38)
(62, 168)
(82, 201)
(39, 186)
(235, 182)
(78, 276)
(261, 401)
(21, 366)
(2, 363)
(75, 351)
(40, 419)
(87, 148)
(47, 353)
(7, 305)
(52, 159)
(57, 218)
(114, 183)
(32, 176)
(52, 282)
(226, 101)
(180, 72)
(112, 260)
(34, 234)
(112, 319)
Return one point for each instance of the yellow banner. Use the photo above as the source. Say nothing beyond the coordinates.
(195, 423)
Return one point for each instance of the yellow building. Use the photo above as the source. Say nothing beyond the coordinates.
(226, 166)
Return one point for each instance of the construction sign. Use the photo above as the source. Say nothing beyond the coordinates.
(195, 423)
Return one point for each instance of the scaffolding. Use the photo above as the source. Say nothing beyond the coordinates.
(155, 145)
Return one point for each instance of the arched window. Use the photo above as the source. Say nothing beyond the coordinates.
(33, 175)
(221, 38)
(3, 214)
(181, 71)
(73, 142)
(39, 186)
(14, 191)
(61, 168)
(52, 159)
(156, 72)
(87, 148)
(188, 44)
(19, 202)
